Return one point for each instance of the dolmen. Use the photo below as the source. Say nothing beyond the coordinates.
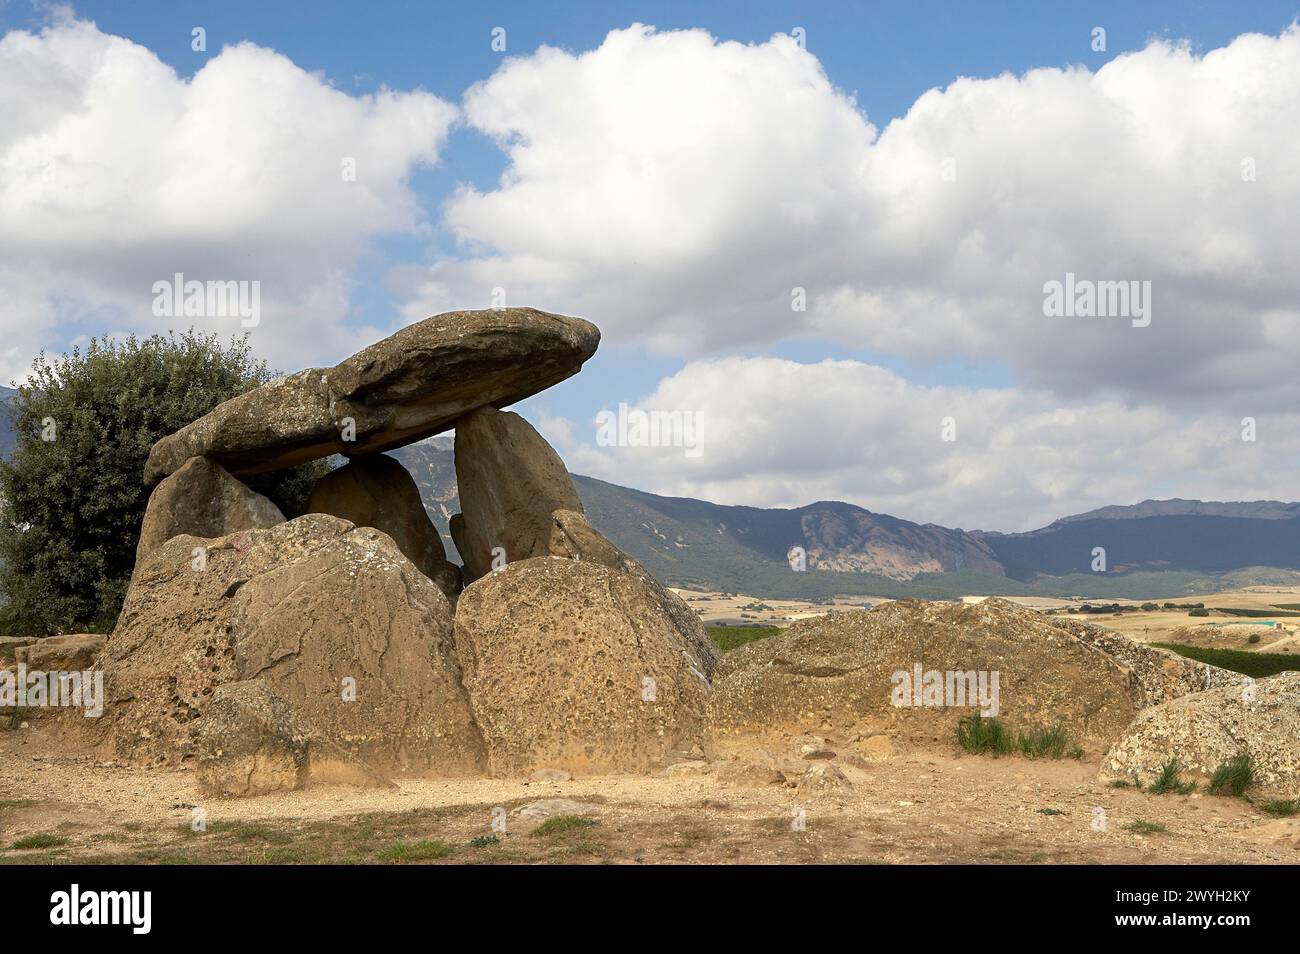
(343, 645)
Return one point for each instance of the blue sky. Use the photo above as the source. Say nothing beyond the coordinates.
(885, 56)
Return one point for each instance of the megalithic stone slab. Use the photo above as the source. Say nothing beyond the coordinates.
(510, 481)
(407, 387)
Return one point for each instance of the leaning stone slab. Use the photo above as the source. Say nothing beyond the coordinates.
(407, 387)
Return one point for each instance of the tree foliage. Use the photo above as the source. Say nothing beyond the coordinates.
(72, 498)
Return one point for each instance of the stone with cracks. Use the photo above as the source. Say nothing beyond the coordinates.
(203, 500)
(408, 386)
(576, 666)
(333, 619)
(1160, 675)
(377, 491)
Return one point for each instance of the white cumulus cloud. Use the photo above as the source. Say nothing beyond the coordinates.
(675, 189)
(115, 173)
(783, 433)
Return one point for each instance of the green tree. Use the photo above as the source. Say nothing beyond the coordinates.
(72, 499)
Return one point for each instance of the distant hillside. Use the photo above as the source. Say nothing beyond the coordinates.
(431, 464)
(1153, 549)
(1207, 544)
(1176, 507)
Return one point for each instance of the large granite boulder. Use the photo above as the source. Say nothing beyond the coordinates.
(333, 619)
(576, 666)
(1205, 729)
(845, 674)
(409, 386)
(377, 491)
(202, 499)
(510, 481)
(574, 538)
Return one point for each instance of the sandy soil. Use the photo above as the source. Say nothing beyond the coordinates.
(917, 807)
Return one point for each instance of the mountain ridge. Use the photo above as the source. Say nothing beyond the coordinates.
(1152, 548)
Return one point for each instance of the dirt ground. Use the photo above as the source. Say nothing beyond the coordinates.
(917, 807)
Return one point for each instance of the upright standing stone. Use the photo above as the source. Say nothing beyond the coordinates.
(510, 482)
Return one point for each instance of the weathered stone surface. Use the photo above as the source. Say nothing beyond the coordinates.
(1205, 729)
(833, 675)
(250, 741)
(510, 481)
(377, 491)
(408, 386)
(575, 665)
(1160, 675)
(72, 653)
(573, 538)
(203, 500)
(314, 608)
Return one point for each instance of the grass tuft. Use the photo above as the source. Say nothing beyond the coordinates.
(1169, 781)
(1233, 777)
(984, 736)
(1039, 743)
(1282, 807)
(484, 841)
(1144, 827)
(43, 840)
